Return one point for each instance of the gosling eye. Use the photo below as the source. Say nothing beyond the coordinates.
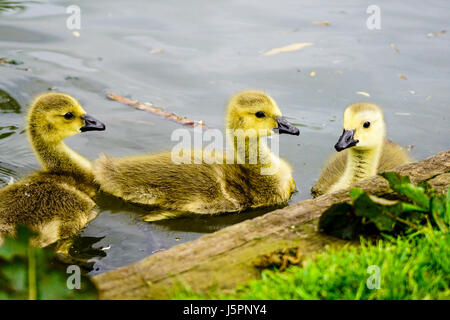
(69, 116)
(260, 114)
(366, 124)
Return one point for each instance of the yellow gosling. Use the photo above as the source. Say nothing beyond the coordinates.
(55, 202)
(217, 184)
(363, 150)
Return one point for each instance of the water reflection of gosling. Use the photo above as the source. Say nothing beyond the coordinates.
(154, 179)
(363, 150)
(55, 202)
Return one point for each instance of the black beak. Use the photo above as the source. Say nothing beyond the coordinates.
(346, 140)
(91, 124)
(285, 126)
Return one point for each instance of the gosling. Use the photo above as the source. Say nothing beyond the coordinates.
(56, 201)
(210, 187)
(363, 150)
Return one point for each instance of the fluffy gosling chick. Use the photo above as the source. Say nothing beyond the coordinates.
(54, 202)
(225, 184)
(363, 150)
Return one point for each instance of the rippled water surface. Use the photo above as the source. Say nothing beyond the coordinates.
(190, 56)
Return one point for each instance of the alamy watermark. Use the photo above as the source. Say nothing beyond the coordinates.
(373, 282)
(74, 280)
(73, 22)
(253, 147)
(373, 22)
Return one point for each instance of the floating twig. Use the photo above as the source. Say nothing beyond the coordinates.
(322, 23)
(393, 46)
(10, 61)
(289, 48)
(435, 34)
(363, 93)
(155, 110)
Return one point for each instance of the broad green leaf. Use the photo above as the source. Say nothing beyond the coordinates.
(415, 194)
(355, 193)
(408, 207)
(339, 221)
(16, 247)
(364, 206)
(394, 179)
(16, 275)
(402, 185)
(51, 276)
(427, 187)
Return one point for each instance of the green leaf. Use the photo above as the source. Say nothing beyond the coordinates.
(415, 194)
(364, 206)
(447, 205)
(427, 187)
(16, 247)
(394, 179)
(339, 221)
(51, 276)
(15, 275)
(355, 193)
(438, 212)
(402, 185)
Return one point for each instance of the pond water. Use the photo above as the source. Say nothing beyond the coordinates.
(188, 57)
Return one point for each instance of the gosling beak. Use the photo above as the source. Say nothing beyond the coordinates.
(91, 124)
(346, 140)
(285, 126)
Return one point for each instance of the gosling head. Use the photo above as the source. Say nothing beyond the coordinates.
(255, 111)
(56, 116)
(364, 127)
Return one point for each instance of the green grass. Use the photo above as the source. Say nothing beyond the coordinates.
(415, 267)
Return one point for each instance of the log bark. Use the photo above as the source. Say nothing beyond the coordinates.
(223, 259)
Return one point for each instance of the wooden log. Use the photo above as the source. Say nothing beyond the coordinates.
(227, 257)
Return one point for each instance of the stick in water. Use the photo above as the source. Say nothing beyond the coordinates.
(158, 111)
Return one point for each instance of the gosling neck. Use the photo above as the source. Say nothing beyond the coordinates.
(57, 157)
(361, 164)
(252, 150)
